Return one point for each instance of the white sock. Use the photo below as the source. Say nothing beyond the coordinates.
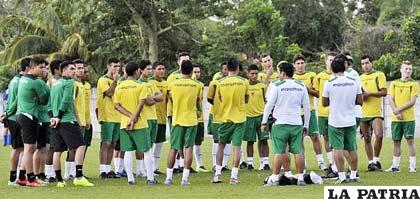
(120, 165)
(396, 161)
(375, 159)
(288, 174)
(148, 161)
(300, 176)
(412, 162)
(169, 173)
(140, 166)
(234, 173)
(108, 168)
(353, 174)
(250, 161)
(218, 170)
(128, 164)
(320, 159)
(156, 155)
(116, 163)
(102, 168)
(261, 163)
(67, 169)
(275, 177)
(185, 174)
(242, 159)
(176, 163)
(48, 170)
(214, 152)
(370, 161)
(342, 176)
(73, 169)
(334, 168)
(266, 161)
(226, 155)
(330, 157)
(19, 167)
(198, 156)
(181, 162)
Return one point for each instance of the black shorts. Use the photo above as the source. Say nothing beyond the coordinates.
(43, 139)
(51, 137)
(68, 136)
(14, 129)
(88, 136)
(28, 128)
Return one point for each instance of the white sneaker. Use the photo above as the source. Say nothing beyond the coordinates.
(316, 178)
(412, 170)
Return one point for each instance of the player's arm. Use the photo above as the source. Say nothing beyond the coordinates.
(111, 90)
(306, 110)
(316, 87)
(122, 110)
(268, 74)
(271, 101)
(313, 92)
(408, 105)
(325, 95)
(246, 92)
(42, 91)
(210, 93)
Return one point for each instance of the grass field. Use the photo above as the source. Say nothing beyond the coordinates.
(250, 187)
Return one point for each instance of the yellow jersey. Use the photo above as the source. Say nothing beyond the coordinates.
(403, 91)
(319, 83)
(105, 104)
(87, 87)
(232, 91)
(216, 108)
(172, 77)
(256, 103)
(274, 76)
(185, 93)
(149, 112)
(307, 79)
(79, 96)
(161, 106)
(128, 94)
(372, 83)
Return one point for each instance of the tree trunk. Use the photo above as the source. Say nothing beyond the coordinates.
(153, 47)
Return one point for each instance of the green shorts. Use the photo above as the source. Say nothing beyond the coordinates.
(232, 132)
(138, 139)
(323, 125)
(399, 129)
(253, 129)
(343, 138)
(87, 136)
(182, 137)
(357, 122)
(369, 119)
(161, 133)
(110, 131)
(199, 137)
(152, 130)
(284, 135)
(313, 124)
(215, 127)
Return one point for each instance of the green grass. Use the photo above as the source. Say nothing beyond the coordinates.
(251, 186)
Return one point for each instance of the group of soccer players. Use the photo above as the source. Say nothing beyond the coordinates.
(48, 113)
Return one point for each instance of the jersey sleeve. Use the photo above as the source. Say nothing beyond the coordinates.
(67, 96)
(326, 90)
(381, 81)
(143, 92)
(316, 82)
(103, 86)
(212, 90)
(391, 89)
(42, 91)
(117, 95)
(415, 89)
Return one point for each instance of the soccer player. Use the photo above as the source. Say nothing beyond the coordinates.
(355, 75)
(308, 78)
(159, 81)
(233, 92)
(185, 94)
(287, 97)
(149, 111)
(268, 74)
(341, 93)
(68, 131)
(87, 137)
(11, 107)
(199, 138)
(403, 94)
(130, 98)
(374, 89)
(255, 110)
(27, 116)
(215, 119)
(108, 117)
(323, 113)
(55, 72)
(222, 73)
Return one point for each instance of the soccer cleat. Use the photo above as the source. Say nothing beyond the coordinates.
(393, 169)
(34, 184)
(157, 172)
(120, 174)
(132, 182)
(151, 182)
(217, 179)
(243, 165)
(61, 184)
(301, 183)
(225, 168)
(185, 182)
(192, 170)
(83, 182)
(378, 165)
(250, 167)
(202, 170)
(234, 181)
(316, 179)
(268, 182)
(168, 182)
(12, 184)
(266, 167)
(21, 182)
(103, 176)
(329, 173)
(372, 167)
(322, 167)
(51, 179)
(353, 180)
(112, 174)
(178, 170)
(412, 170)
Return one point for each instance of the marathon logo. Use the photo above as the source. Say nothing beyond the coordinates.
(290, 89)
(342, 84)
(371, 192)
